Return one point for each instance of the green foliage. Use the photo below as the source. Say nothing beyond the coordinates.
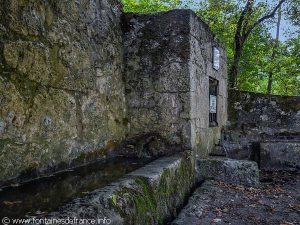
(293, 12)
(222, 17)
(255, 58)
(287, 68)
(149, 6)
(114, 199)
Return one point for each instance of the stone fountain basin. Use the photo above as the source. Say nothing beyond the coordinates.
(48, 193)
(126, 191)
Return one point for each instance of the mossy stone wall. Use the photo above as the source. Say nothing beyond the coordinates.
(61, 89)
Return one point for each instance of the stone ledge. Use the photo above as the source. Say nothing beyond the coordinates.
(152, 194)
(280, 155)
(228, 170)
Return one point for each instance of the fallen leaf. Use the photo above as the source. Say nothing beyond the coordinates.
(39, 212)
(261, 202)
(11, 203)
(216, 220)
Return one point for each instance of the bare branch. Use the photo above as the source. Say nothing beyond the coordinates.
(268, 16)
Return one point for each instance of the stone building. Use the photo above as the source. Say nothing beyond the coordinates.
(79, 77)
(171, 79)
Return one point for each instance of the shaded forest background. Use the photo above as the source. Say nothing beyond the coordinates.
(257, 60)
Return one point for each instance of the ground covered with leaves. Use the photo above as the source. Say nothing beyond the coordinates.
(275, 201)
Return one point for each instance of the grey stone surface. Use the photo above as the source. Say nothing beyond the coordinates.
(197, 204)
(228, 170)
(76, 79)
(216, 202)
(280, 155)
(265, 115)
(257, 118)
(168, 65)
(61, 89)
(149, 195)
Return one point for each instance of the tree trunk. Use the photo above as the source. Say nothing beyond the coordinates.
(238, 46)
(270, 81)
(270, 78)
(234, 68)
(243, 31)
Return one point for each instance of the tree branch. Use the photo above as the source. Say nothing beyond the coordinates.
(268, 16)
(242, 17)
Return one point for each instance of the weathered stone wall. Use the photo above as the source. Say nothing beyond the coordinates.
(264, 128)
(168, 64)
(64, 96)
(157, 74)
(280, 154)
(269, 115)
(61, 89)
(202, 41)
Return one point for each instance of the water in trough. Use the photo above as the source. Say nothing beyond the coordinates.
(48, 193)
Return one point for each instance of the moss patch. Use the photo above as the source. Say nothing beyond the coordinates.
(157, 202)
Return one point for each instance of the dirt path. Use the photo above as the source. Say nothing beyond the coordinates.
(276, 201)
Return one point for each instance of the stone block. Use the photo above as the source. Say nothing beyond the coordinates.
(280, 155)
(228, 170)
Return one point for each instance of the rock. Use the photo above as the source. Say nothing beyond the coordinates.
(280, 155)
(228, 170)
